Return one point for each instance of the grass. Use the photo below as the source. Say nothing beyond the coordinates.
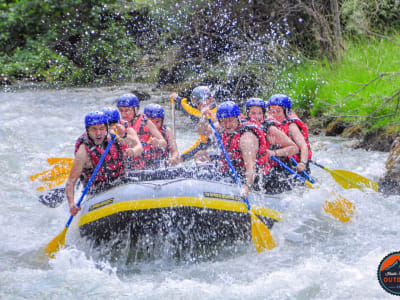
(361, 87)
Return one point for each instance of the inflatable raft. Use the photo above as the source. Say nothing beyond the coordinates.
(198, 211)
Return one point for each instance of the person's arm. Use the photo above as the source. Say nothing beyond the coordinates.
(173, 148)
(249, 146)
(277, 137)
(298, 138)
(81, 158)
(204, 128)
(136, 147)
(177, 100)
(157, 139)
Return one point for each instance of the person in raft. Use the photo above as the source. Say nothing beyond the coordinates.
(247, 146)
(131, 136)
(88, 151)
(149, 135)
(170, 155)
(201, 98)
(279, 108)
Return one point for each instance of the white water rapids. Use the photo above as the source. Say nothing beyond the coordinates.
(317, 257)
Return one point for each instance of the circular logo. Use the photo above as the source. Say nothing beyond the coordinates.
(389, 273)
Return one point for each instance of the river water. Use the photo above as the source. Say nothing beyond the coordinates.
(317, 257)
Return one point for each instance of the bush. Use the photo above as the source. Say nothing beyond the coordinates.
(381, 16)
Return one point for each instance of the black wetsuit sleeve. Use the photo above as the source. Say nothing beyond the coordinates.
(178, 105)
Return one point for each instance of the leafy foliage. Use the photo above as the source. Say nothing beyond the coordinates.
(362, 88)
(95, 40)
(382, 16)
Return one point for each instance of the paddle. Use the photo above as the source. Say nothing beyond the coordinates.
(303, 172)
(57, 180)
(59, 241)
(55, 176)
(342, 209)
(173, 115)
(50, 175)
(350, 180)
(67, 161)
(262, 237)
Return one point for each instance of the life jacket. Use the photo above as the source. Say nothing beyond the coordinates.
(139, 124)
(231, 144)
(112, 167)
(284, 126)
(154, 156)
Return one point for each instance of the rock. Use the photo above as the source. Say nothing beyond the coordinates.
(336, 127)
(390, 184)
(143, 96)
(378, 140)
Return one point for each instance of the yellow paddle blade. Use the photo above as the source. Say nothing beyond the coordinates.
(262, 237)
(52, 174)
(341, 208)
(40, 175)
(351, 180)
(56, 244)
(55, 182)
(60, 161)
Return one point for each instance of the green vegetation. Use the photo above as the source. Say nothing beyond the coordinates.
(362, 87)
(71, 41)
(334, 60)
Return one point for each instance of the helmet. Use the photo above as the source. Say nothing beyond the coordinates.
(201, 93)
(228, 109)
(154, 111)
(255, 102)
(95, 118)
(128, 100)
(281, 100)
(112, 114)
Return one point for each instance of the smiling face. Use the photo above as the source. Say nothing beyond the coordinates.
(229, 124)
(127, 113)
(276, 112)
(97, 133)
(256, 113)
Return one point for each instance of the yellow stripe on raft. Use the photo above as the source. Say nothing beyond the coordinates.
(177, 202)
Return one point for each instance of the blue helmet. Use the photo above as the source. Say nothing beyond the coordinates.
(154, 111)
(256, 102)
(228, 109)
(128, 100)
(201, 93)
(112, 114)
(95, 118)
(281, 100)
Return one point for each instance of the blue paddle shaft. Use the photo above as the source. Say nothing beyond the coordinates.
(92, 177)
(317, 164)
(288, 169)
(228, 160)
(304, 172)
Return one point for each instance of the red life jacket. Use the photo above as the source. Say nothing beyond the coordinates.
(139, 124)
(284, 126)
(154, 156)
(231, 144)
(113, 164)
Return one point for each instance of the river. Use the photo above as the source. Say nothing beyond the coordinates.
(317, 257)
